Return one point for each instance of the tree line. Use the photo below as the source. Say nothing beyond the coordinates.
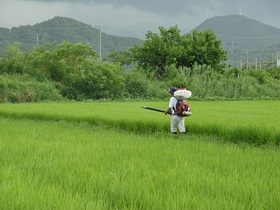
(73, 71)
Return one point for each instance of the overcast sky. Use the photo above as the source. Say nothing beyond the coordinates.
(133, 18)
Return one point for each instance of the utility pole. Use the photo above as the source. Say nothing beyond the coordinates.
(247, 60)
(231, 51)
(100, 42)
(277, 60)
(100, 56)
(231, 47)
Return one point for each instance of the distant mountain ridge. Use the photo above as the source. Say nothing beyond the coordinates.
(247, 41)
(243, 32)
(60, 29)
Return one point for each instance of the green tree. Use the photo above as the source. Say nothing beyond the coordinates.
(13, 61)
(123, 57)
(78, 70)
(57, 61)
(97, 80)
(202, 48)
(159, 51)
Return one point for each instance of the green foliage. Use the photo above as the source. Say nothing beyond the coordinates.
(13, 61)
(100, 80)
(205, 49)
(23, 88)
(74, 67)
(56, 62)
(122, 57)
(159, 51)
(139, 86)
(274, 72)
(205, 83)
(82, 76)
(74, 71)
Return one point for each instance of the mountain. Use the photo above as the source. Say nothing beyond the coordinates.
(243, 32)
(245, 39)
(61, 29)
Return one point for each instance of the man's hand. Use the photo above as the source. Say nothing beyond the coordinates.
(168, 111)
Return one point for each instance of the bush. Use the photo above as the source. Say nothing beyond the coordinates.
(137, 85)
(22, 88)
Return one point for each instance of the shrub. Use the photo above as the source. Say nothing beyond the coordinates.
(22, 88)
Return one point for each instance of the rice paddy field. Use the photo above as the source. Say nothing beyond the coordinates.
(116, 155)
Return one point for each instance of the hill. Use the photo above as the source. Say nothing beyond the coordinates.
(244, 32)
(245, 38)
(61, 29)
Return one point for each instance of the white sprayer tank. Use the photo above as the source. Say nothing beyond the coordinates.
(182, 94)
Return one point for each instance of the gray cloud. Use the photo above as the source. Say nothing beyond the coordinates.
(180, 6)
(166, 8)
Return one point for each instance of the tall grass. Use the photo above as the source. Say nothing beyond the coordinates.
(255, 122)
(62, 165)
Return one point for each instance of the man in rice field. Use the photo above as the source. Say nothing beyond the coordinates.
(176, 121)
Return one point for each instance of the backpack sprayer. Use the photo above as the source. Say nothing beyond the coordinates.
(183, 107)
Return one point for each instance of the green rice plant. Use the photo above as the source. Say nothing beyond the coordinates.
(64, 165)
(253, 122)
(238, 121)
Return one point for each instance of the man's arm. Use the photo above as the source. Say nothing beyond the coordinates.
(168, 111)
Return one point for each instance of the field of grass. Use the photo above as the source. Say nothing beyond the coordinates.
(58, 164)
(254, 122)
(115, 155)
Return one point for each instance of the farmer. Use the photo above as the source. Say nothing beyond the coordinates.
(175, 121)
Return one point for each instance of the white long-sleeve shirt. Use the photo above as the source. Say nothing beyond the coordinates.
(172, 104)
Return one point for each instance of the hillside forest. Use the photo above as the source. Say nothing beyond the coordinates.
(73, 71)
